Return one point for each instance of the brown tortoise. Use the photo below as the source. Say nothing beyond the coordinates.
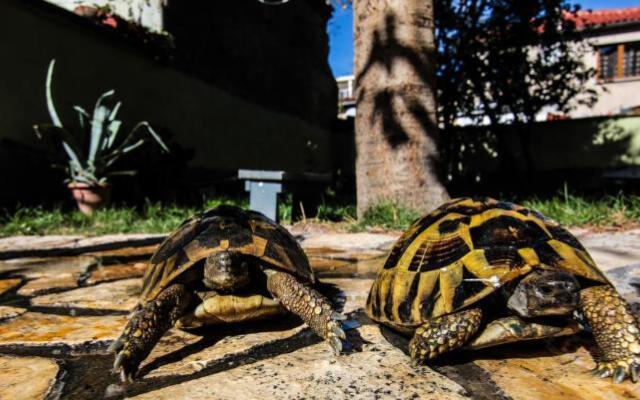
(478, 272)
(222, 266)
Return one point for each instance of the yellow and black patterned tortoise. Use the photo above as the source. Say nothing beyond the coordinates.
(222, 266)
(477, 272)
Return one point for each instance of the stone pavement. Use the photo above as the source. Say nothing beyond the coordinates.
(58, 315)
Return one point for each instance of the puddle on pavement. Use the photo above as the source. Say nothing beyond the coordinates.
(48, 292)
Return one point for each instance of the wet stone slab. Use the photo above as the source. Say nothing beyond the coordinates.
(353, 291)
(72, 245)
(47, 275)
(120, 295)
(554, 370)
(611, 249)
(142, 252)
(341, 263)
(7, 285)
(26, 377)
(350, 241)
(52, 330)
(107, 273)
(7, 312)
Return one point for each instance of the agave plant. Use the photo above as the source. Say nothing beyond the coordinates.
(93, 165)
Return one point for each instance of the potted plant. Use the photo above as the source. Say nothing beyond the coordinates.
(89, 166)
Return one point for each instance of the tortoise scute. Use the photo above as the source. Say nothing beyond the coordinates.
(438, 254)
(507, 231)
(504, 256)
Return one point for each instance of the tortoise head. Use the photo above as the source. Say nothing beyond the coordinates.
(545, 292)
(226, 271)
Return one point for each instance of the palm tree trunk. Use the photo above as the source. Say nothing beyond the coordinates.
(396, 129)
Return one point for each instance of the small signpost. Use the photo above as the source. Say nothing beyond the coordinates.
(264, 187)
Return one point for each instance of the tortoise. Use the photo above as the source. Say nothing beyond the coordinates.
(477, 272)
(224, 265)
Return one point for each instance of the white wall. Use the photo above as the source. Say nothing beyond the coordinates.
(146, 13)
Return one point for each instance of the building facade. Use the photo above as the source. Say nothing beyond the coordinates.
(346, 96)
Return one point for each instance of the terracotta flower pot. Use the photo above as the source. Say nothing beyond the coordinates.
(90, 197)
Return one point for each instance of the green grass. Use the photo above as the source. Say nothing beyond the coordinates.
(387, 215)
(569, 210)
(152, 218)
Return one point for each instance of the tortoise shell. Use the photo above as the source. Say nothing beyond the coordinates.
(223, 228)
(465, 250)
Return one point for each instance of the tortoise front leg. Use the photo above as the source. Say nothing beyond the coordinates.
(442, 334)
(308, 304)
(615, 330)
(146, 326)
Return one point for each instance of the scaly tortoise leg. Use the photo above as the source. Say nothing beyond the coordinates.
(146, 326)
(308, 304)
(442, 334)
(615, 330)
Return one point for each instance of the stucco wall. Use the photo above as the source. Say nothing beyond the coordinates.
(541, 158)
(586, 143)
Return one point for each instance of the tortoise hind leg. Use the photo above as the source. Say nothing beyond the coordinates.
(615, 330)
(442, 334)
(146, 326)
(308, 304)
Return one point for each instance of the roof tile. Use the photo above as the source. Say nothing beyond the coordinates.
(603, 17)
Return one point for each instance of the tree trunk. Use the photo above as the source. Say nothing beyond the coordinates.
(396, 129)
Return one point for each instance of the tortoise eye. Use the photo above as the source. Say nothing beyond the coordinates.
(546, 290)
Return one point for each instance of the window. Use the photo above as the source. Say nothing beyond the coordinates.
(608, 62)
(632, 59)
(344, 93)
(619, 61)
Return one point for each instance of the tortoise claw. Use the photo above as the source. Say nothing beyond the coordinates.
(118, 361)
(336, 344)
(126, 377)
(336, 316)
(115, 346)
(602, 373)
(339, 332)
(619, 375)
(618, 370)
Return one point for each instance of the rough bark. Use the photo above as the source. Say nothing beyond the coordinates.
(396, 130)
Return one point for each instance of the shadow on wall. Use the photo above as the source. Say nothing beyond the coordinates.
(388, 52)
(575, 151)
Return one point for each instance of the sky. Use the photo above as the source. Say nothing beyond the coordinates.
(341, 32)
